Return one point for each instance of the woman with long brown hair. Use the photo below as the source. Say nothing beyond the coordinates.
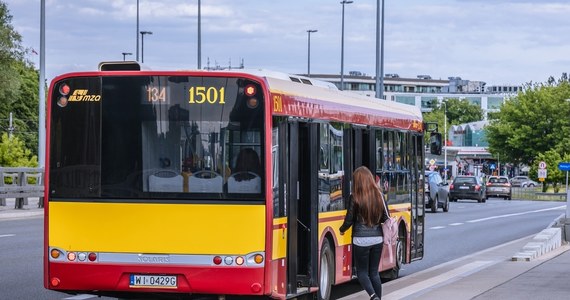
(365, 214)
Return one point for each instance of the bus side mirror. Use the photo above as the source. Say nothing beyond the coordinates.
(435, 143)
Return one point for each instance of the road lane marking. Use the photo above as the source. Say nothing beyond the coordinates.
(517, 214)
(437, 227)
(416, 277)
(6, 235)
(455, 224)
(81, 297)
(439, 279)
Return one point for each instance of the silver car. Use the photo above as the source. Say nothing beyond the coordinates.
(529, 183)
(518, 180)
(436, 191)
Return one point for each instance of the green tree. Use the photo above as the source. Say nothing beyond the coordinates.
(25, 110)
(533, 122)
(462, 111)
(458, 112)
(11, 52)
(18, 91)
(554, 176)
(13, 153)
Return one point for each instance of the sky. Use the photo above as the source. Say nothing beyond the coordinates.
(500, 42)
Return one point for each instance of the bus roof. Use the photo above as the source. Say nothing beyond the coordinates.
(321, 99)
(304, 97)
(305, 100)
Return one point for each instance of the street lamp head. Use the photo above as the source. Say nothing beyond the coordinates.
(346, 2)
(312, 30)
(127, 53)
(146, 32)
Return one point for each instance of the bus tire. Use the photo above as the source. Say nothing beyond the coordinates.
(326, 271)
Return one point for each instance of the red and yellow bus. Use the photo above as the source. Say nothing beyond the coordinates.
(148, 192)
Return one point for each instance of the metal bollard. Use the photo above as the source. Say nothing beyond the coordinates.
(19, 204)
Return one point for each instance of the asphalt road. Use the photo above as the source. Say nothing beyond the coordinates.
(467, 228)
(470, 227)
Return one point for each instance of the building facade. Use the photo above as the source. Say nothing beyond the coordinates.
(422, 90)
(467, 147)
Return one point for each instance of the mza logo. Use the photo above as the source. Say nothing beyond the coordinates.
(83, 95)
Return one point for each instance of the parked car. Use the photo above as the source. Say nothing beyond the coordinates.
(467, 187)
(499, 186)
(436, 191)
(529, 183)
(518, 180)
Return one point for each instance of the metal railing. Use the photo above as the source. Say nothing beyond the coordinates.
(535, 193)
(21, 183)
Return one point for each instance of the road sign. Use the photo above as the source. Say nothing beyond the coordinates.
(542, 165)
(541, 173)
(492, 166)
(564, 166)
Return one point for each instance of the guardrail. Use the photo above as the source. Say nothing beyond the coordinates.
(535, 193)
(551, 196)
(21, 183)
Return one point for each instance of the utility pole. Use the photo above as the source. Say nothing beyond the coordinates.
(309, 51)
(10, 127)
(342, 46)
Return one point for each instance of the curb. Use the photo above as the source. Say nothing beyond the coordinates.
(20, 214)
(30, 210)
(545, 241)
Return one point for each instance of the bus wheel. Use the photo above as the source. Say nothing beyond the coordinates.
(326, 271)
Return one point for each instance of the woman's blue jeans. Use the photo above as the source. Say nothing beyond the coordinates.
(367, 262)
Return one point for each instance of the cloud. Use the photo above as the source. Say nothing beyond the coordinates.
(494, 41)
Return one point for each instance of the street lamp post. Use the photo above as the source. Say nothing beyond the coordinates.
(199, 36)
(143, 33)
(343, 2)
(379, 51)
(445, 140)
(309, 51)
(42, 94)
(125, 54)
(137, 33)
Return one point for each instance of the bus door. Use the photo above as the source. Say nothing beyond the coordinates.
(418, 200)
(301, 200)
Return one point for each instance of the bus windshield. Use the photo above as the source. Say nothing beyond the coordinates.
(156, 137)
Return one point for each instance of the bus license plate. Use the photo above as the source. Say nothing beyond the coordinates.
(153, 281)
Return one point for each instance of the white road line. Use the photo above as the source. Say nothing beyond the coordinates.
(6, 235)
(517, 214)
(433, 282)
(81, 297)
(455, 224)
(437, 227)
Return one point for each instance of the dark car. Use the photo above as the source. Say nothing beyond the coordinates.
(499, 186)
(467, 187)
(436, 191)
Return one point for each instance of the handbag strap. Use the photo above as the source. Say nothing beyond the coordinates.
(385, 205)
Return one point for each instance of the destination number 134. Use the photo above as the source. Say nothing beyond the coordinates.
(212, 95)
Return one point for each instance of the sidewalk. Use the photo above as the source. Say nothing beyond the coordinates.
(30, 210)
(489, 274)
